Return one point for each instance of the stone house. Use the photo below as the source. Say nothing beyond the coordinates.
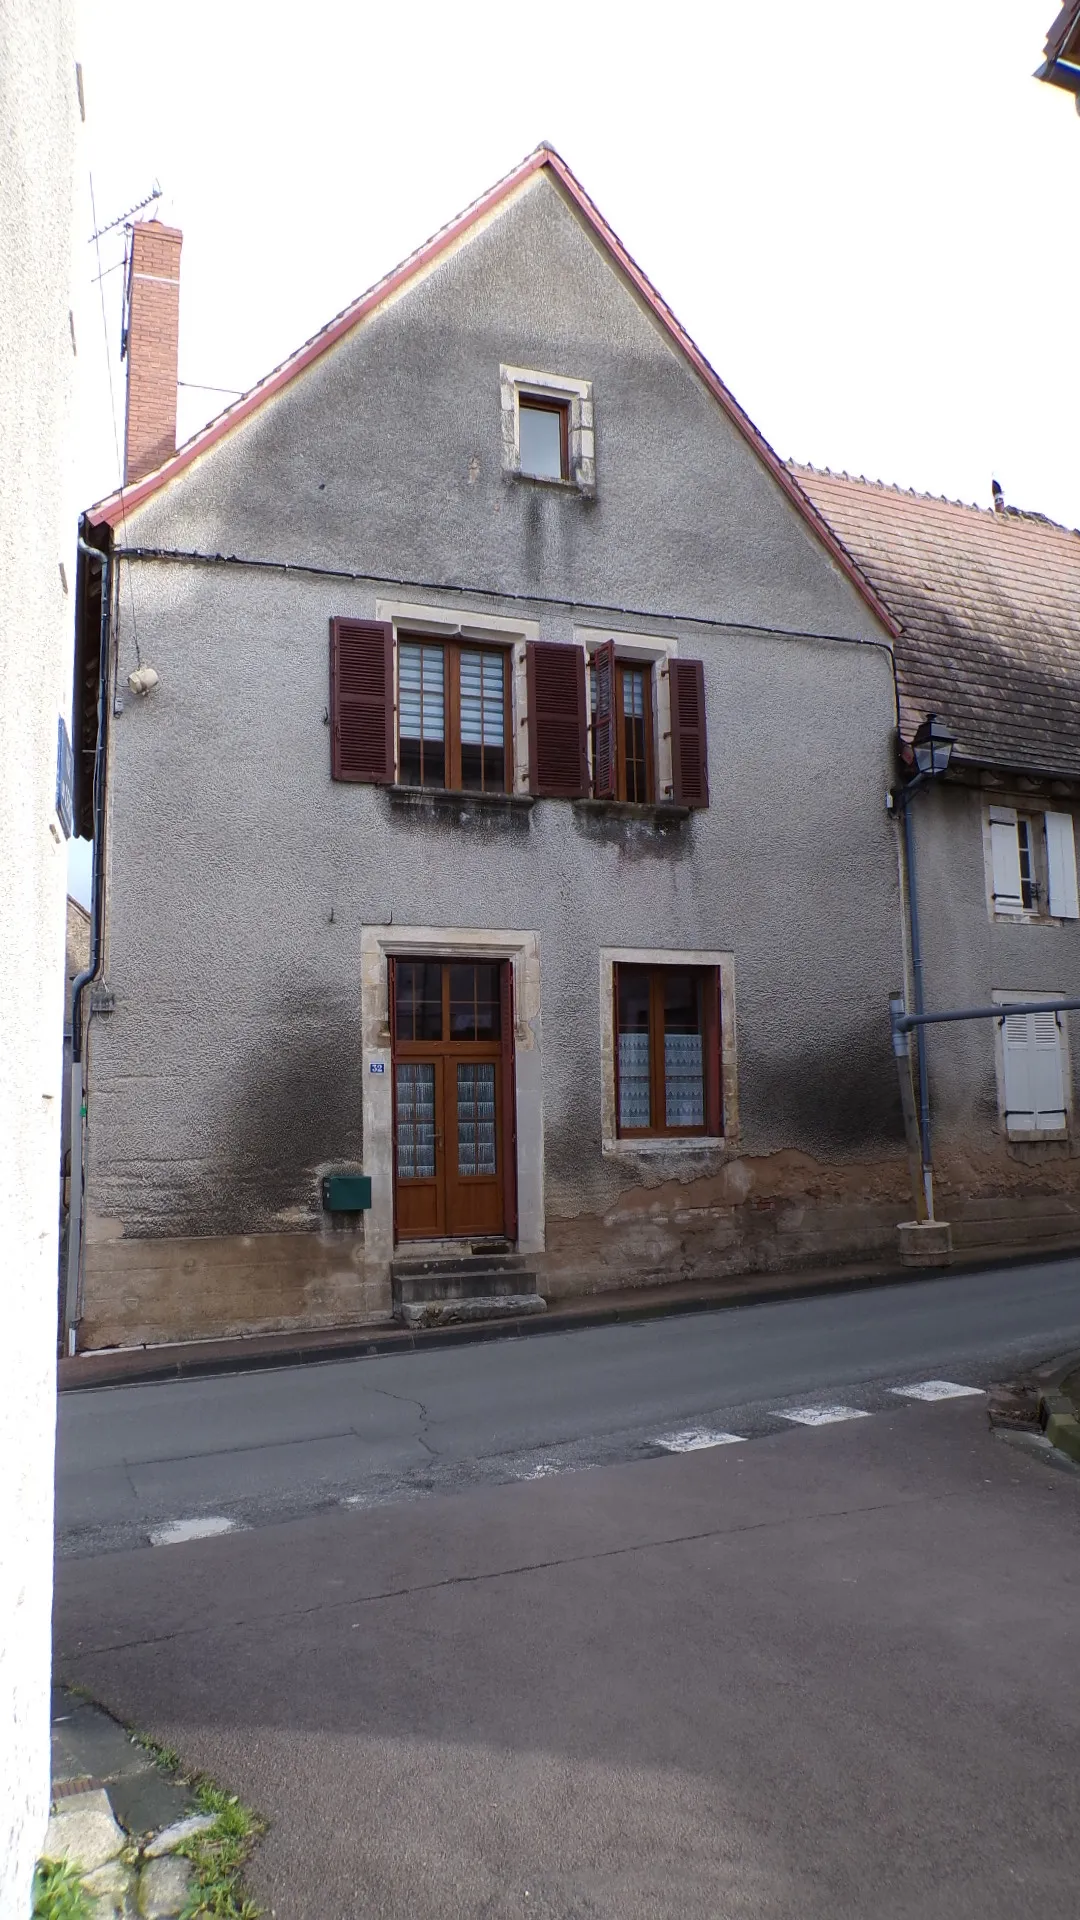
(495, 812)
(988, 603)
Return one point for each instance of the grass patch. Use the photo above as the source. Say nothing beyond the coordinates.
(166, 1757)
(59, 1893)
(219, 1857)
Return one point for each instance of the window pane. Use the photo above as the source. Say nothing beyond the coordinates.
(635, 1106)
(474, 1001)
(418, 999)
(415, 1087)
(540, 431)
(476, 1119)
(483, 722)
(421, 714)
(684, 1061)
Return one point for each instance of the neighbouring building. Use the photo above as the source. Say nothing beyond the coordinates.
(39, 118)
(505, 819)
(989, 608)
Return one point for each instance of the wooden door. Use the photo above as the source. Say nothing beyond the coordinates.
(450, 1099)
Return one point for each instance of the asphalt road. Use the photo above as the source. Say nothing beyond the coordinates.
(830, 1675)
(137, 1463)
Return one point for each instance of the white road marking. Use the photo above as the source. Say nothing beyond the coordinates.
(175, 1531)
(694, 1439)
(821, 1416)
(937, 1390)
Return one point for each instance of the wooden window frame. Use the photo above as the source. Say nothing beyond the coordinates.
(710, 986)
(452, 650)
(621, 669)
(548, 403)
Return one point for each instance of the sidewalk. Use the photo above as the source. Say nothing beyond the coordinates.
(119, 1366)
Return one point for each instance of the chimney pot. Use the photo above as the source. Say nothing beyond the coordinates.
(152, 342)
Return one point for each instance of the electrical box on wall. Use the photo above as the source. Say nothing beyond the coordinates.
(346, 1192)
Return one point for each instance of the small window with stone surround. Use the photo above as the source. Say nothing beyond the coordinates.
(547, 428)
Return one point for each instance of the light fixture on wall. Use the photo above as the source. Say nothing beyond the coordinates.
(932, 746)
(143, 680)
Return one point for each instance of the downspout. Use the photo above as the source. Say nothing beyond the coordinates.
(920, 1007)
(77, 1110)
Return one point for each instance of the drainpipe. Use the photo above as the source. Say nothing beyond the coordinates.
(920, 1005)
(77, 1108)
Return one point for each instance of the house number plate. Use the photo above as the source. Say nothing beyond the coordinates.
(376, 1066)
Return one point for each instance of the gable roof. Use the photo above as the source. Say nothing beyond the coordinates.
(989, 606)
(117, 505)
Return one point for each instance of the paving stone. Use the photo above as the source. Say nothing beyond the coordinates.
(113, 1878)
(183, 1830)
(143, 1802)
(88, 1744)
(82, 1829)
(163, 1887)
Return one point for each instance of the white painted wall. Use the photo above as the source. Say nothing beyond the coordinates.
(39, 117)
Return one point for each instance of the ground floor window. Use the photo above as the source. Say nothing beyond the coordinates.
(1033, 1069)
(667, 1050)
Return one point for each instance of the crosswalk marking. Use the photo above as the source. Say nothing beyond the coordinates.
(821, 1416)
(694, 1439)
(937, 1390)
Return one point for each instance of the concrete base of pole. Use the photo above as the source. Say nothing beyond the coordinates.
(924, 1243)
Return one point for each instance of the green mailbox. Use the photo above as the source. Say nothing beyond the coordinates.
(346, 1192)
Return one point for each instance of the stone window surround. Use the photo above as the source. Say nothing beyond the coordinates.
(645, 648)
(670, 1147)
(522, 949)
(513, 382)
(490, 629)
(1018, 1136)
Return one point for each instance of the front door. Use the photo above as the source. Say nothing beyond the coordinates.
(453, 1098)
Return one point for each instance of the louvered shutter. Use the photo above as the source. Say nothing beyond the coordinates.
(1005, 853)
(362, 701)
(1061, 861)
(604, 722)
(689, 749)
(558, 741)
(1034, 1081)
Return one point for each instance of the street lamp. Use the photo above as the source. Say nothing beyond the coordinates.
(932, 747)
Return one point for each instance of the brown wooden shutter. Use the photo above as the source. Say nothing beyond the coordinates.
(689, 749)
(508, 1097)
(362, 701)
(604, 722)
(558, 719)
(714, 1099)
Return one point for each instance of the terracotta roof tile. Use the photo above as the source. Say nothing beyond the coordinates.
(989, 608)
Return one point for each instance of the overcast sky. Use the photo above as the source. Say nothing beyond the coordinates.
(865, 216)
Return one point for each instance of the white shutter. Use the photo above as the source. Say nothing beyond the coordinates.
(1019, 1091)
(1061, 859)
(1047, 1080)
(1034, 1079)
(1005, 850)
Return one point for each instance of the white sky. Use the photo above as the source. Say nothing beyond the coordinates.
(864, 215)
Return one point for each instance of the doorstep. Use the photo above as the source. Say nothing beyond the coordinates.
(118, 1366)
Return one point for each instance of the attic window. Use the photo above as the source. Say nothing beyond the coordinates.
(544, 437)
(547, 428)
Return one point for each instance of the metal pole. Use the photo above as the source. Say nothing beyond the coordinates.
(902, 1050)
(905, 1022)
(917, 982)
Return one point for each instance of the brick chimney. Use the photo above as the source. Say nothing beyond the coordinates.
(152, 334)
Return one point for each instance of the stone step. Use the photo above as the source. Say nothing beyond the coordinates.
(471, 1259)
(451, 1312)
(478, 1280)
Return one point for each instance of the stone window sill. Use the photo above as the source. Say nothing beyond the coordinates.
(669, 1144)
(443, 800)
(660, 813)
(1045, 1138)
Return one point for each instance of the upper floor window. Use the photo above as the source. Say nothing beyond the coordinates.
(453, 716)
(628, 686)
(544, 437)
(1033, 865)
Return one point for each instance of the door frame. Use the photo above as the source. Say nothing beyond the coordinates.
(522, 949)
